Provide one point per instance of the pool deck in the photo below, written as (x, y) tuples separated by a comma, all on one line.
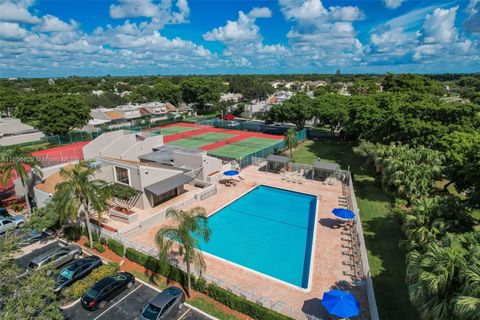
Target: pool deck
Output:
[(326, 271)]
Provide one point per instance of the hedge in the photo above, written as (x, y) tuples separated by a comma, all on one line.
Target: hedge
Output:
[(116, 247), (242, 305), (78, 288), (223, 296)]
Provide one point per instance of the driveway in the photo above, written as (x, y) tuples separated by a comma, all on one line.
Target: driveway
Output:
[(128, 305)]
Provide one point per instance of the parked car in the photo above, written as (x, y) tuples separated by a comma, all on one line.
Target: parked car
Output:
[(56, 257), (106, 289), (4, 212), (32, 236), (75, 271), (164, 304), (7, 224)]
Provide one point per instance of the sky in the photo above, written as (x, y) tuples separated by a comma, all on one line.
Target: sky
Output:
[(58, 38)]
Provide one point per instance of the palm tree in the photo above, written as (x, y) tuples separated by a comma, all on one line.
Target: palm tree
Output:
[(18, 161), (189, 227), (291, 139), (79, 193)]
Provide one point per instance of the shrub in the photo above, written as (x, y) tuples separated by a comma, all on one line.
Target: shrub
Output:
[(200, 285), (116, 247), (242, 305), (103, 241), (73, 233), (99, 247), (79, 287)]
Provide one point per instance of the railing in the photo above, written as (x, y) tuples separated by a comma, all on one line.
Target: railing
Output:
[(372, 304), (207, 192)]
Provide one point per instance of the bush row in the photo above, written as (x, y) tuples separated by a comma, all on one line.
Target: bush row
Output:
[(116, 247), (96, 245), (78, 288), (223, 296)]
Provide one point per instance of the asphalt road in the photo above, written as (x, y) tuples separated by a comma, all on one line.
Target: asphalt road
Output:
[(128, 305)]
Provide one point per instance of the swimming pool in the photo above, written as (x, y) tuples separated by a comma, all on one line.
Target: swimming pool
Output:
[(268, 230)]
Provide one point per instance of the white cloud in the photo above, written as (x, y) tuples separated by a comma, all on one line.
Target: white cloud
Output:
[(12, 31), (243, 29), (164, 10), (393, 4), (472, 23), (53, 24), (17, 11), (439, 27)]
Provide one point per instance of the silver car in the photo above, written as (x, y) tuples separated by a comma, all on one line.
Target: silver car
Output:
[(56, 258), (11, 223)]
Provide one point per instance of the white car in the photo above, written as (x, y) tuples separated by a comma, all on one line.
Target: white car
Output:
[(12, 223)]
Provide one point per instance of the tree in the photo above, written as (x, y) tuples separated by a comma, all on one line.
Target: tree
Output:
[(298, 110), (291, 139), (189, 227), (168, 92), (363, 87), (412, 83), (45, 218), (201, 92), (250, 88), (27, 297), (468, 176), (62, 114), (331, 110), (80, 194), (20, 162)]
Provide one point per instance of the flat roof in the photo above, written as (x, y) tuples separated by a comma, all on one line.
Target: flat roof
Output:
[(278, 159), (168, 184), (164, 154), (326, 165)]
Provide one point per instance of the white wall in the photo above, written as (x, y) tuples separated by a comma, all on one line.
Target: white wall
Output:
[(142, 147), (41, 197), (118, 146), (93, 148)]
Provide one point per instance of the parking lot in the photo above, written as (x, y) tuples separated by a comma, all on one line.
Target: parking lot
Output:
[(23, 261), (128, 305)]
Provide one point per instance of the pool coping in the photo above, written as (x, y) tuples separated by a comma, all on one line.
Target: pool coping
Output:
[(312, 253)]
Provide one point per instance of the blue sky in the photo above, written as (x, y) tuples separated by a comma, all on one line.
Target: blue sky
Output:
[(140, 37)]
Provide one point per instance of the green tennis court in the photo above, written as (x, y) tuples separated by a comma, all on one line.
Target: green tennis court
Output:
[(243, 148), (173, 130), (201, 139)]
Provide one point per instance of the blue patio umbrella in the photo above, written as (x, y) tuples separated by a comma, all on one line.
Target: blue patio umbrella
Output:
[(343, 213), (341, 304), (231, 173)]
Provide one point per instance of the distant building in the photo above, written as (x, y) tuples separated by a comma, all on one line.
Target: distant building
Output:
[(13, 131), (235, 97)]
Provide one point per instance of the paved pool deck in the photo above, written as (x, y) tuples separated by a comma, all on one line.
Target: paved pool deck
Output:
[(326, 272)]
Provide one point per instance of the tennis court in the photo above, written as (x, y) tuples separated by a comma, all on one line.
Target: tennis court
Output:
[(243, 148), (201, 139), (173, 130)]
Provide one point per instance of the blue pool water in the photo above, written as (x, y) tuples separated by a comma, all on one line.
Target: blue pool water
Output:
[(268, 230)]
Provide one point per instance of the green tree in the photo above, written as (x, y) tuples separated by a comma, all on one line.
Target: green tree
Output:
[(331, 110), (45, 218), (298, 110), (17, 162), (62, 114), (203, 92), (291, 139), (412, 83), (27, 297), (167, 91), (364, 87), (188, 227), (80, 194)]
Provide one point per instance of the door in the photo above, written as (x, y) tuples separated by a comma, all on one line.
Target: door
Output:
[(167, 309), (60, 258), (7, 225), (81, 272)]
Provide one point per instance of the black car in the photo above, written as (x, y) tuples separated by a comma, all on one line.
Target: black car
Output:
[(106, 289), (164, 304), (76, 270), (32, 236)]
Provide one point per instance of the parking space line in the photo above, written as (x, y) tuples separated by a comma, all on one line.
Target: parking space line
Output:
[(183, 315), (101, 314)]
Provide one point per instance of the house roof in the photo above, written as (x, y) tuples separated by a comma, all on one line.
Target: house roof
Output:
[(145, 111), (170, 107), (48, 185), (168, 184), (114, 115)]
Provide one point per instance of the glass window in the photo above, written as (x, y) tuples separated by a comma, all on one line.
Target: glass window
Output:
[(164, 197), (121, 175)]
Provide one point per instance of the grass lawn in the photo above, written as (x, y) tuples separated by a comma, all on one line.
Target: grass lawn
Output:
[(382, 232)]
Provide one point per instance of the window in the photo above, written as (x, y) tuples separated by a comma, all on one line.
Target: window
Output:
[(121, 175)]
